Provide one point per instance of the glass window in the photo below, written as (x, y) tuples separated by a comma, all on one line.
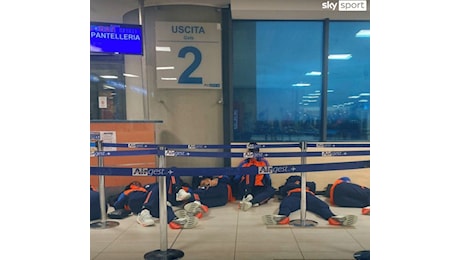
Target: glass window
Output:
[(275, 97), (348, 98), (107, 91), (278, 81)]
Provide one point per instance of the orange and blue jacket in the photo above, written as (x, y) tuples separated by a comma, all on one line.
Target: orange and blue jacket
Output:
[(254, 180)]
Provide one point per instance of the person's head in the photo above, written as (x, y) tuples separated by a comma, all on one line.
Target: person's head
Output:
[(133, 185), (345, 179), (206, 182), (253, 147)]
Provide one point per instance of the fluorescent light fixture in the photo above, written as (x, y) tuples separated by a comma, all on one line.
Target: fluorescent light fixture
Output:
[(169, 79), (108, 87), (301, 85), (330, 90), (353, 97), (313, 73), (130, 75), (109, 77), (339, 56), (165, 49), (363, 100), (363, 34), (165, 68), (365, 94)]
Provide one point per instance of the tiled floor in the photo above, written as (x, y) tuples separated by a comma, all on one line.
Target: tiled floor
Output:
[(226, 233)]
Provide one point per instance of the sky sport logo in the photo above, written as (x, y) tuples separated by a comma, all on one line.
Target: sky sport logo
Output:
[(345, 5)]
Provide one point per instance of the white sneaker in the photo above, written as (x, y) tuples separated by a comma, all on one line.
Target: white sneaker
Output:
[(182, 195), (247, 198), (193, 207), (347, 220), (145, 219), (185, 222), (245, 205)]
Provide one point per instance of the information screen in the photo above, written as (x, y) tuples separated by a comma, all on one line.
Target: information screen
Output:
[(116, 38)]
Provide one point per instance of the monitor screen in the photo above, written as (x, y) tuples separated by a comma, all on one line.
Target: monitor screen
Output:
[(116, 38)]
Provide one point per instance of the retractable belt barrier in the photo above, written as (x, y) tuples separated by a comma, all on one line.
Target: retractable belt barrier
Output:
[(170, 150)]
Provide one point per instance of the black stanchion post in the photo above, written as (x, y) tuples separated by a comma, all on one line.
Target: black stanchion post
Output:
[(303, 222), (103, 223), (163, 253)]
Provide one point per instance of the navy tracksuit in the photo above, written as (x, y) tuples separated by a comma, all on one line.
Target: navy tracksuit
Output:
[(135, 199), (291, 202), (347, 194), (214, 196), (259, 185)]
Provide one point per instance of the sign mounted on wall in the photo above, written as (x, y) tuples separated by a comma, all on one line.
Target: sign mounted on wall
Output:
[(188, 55)]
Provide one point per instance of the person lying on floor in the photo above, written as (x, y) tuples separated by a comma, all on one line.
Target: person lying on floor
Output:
[(253, 190), (344, 193), (291, 192), (144, 202), (95, 204), (206, 192)]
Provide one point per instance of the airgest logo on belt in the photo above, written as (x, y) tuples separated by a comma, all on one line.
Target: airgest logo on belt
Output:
[(148, 172), (273, 169)]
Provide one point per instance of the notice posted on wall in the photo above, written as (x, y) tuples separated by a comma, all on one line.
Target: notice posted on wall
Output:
[(109, 137), (106, 137)]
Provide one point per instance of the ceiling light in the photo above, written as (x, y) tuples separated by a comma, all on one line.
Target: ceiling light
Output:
[(168, 78), (109, 77), (313, 73), (130, 75), (339, 56), (363, 34), (166, 49), (301, 85), (108, 87), (165, 68)]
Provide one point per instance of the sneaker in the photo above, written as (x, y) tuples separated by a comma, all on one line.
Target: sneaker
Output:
[(245, 205), (181, 213), (183, 223), (366, 210), (182, 195), (248, 197), (145, 219), (276, 219), (347, 220), (195, 207)]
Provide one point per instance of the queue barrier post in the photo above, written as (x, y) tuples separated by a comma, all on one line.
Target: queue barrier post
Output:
[(303, 222), (103, 223), (163, 253)]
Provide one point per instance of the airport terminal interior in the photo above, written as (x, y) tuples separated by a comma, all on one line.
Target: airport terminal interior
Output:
[(230, 72)]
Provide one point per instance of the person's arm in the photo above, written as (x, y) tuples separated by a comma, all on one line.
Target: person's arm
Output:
[(121, 201)]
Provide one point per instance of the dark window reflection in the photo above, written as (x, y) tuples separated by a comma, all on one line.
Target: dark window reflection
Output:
[(107, 88), (277, 81)]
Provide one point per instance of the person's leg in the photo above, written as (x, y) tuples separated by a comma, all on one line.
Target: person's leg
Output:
[(95, 205), (288, 205), (262, 195), (322, 209)]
